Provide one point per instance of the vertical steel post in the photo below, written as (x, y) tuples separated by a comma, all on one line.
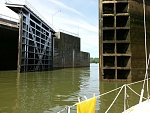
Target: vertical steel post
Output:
[(19, 43)]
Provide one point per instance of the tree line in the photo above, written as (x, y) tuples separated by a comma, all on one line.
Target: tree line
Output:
[(94, 60)]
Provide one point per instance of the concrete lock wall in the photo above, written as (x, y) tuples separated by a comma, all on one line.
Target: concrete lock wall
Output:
[(67, 52), (29, 45), (121, 35), (137, 37)]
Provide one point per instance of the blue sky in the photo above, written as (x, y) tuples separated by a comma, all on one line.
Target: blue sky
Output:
[(76, 16)]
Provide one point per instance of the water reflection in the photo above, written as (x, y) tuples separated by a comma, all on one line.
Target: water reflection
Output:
[(51, 91), (7, 91), (106, 100)]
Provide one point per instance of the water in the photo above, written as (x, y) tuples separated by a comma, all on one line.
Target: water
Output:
[(51, 91)]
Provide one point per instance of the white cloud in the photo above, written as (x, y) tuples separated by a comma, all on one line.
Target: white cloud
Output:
[(87, 32), (56, 2), (67, 21), (75, 24)]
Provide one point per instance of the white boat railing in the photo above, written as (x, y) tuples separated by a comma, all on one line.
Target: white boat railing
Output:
[(125, 87), (146, 56)]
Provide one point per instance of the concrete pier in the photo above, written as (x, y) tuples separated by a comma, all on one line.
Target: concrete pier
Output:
[(67, 53), (121, 39)]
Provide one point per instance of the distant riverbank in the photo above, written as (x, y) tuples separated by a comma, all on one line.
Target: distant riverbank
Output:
[(94, 60)]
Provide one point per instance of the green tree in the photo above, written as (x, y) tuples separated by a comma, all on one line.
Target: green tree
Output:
[(94, 60)]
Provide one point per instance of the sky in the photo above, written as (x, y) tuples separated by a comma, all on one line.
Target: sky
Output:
[(79, 17)]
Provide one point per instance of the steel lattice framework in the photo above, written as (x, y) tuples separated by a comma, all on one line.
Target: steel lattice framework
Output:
[(35, 47)]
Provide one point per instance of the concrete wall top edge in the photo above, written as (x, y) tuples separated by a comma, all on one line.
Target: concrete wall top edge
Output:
[(69, 35), (84, 52)]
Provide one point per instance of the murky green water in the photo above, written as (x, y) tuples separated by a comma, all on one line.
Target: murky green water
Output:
[(51, 91)]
